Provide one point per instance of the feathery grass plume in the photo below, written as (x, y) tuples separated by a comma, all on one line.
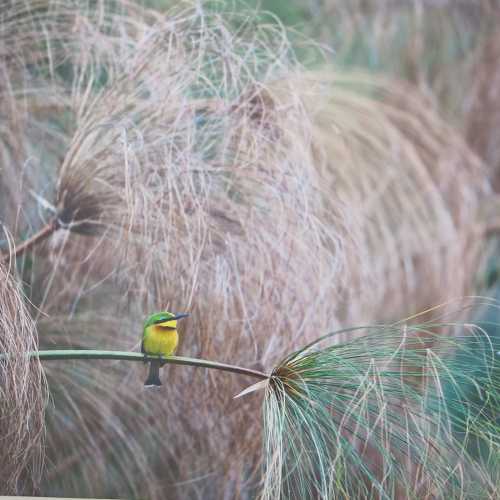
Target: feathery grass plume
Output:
[(26, 101), (412, 186), (47, 48), (422, 41), (377, 416), (482, 104), (161, 150), (22, 394), (166, 157)]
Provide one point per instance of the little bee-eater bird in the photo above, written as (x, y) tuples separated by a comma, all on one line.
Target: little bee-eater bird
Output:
[(160, 338)]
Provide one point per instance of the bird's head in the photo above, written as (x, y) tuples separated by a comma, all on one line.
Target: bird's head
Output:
[(165, 319)]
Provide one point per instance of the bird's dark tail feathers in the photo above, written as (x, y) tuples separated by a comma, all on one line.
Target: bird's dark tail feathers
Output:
[(153, 379)]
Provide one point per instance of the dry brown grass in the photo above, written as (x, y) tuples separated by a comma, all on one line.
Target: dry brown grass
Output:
[(22, 394), (414, 186), (39, 42), (17, 127), (482, 105), (204, 171), (425, 42)]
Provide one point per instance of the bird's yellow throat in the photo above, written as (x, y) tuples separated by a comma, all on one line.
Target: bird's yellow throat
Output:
[(161, 338)]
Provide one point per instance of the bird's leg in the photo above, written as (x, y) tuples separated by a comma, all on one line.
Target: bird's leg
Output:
[(162, 360)]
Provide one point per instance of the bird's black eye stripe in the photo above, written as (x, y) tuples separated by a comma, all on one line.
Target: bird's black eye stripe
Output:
[(163, 319)]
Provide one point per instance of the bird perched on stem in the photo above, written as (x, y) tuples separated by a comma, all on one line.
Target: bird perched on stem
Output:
[(160, 338)]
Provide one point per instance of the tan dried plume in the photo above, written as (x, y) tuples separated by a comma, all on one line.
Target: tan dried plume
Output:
[(22, 394), (482, 104)]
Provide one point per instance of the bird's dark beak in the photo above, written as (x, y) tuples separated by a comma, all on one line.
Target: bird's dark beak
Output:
[(179, 316)]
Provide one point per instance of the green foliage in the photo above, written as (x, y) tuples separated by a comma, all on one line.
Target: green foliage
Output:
[(376, 416)]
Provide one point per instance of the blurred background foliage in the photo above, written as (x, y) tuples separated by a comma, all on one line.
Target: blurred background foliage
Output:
[(277, 168)]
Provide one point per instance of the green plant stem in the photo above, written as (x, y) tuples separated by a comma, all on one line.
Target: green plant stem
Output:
[(67, 354)]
